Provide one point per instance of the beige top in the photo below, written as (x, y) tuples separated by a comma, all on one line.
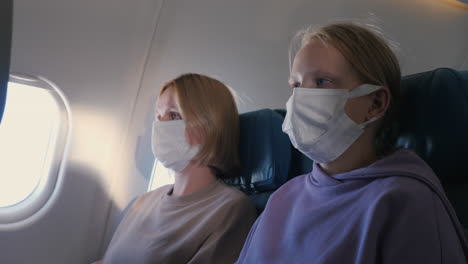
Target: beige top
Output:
[(207, 226)]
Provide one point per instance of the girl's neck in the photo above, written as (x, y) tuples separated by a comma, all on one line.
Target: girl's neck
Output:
[(360, 154), (191, 179)]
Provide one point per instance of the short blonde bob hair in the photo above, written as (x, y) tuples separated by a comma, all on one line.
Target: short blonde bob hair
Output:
[(209, 105), (373, 61)]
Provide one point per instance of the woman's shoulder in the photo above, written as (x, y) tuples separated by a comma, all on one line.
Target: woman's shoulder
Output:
[(231, 193), (233, 199), (151, 196)]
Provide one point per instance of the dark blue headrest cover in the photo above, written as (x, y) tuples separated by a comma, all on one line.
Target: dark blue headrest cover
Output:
[(265, 152), (6, 10), (434, 121), (3, 89)]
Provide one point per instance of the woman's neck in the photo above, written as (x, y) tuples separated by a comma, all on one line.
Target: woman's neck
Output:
[(191, 179)]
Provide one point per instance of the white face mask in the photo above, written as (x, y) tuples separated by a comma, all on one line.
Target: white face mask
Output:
[(170, 146), (317, 124)]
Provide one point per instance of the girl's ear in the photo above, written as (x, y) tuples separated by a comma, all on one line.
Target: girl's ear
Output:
[(380, 103)]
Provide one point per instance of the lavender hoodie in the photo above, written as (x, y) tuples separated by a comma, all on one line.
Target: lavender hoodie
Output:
[(394, 211)]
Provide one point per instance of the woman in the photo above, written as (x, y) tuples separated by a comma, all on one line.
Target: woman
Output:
[(364, 201), (198, 219)]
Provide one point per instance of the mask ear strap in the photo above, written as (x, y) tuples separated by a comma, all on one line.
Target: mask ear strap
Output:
[(363, 89), (363, 125)]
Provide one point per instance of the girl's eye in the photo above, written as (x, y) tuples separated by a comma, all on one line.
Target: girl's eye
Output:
[(175, 116), (321, 82)]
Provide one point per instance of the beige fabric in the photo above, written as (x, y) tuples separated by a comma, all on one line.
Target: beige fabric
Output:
[(207, 226)]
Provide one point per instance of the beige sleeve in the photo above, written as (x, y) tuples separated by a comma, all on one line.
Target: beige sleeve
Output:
[(232, 227)]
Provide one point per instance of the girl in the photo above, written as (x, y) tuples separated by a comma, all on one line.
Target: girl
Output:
[(198, 219), (364, 201)]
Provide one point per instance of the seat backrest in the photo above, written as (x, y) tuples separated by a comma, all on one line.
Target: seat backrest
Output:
[(6, 10), (265, 153), (434, 123)]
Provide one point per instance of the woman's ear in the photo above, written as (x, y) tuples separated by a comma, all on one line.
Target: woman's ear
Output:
[(380, 103)]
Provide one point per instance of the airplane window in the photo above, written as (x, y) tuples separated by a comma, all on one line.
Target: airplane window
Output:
[(33, 137), (27, 137), (161, 176)]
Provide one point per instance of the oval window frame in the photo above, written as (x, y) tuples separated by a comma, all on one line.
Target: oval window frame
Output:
[(40, 200)]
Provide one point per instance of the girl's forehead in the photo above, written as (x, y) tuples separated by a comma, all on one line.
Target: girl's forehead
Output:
[(167, 101), (319, 58)]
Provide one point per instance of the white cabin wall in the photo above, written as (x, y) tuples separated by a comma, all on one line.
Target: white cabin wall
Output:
[(430, 33), (95, 51), (245, 43), (104, 57)]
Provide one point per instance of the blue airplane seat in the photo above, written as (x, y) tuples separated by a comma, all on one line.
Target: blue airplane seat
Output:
[(265, 153), (6, 11), (434, 123), (3, 91)]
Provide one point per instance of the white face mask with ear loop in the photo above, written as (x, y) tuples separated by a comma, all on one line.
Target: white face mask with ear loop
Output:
[(317, 123), (170, 146)]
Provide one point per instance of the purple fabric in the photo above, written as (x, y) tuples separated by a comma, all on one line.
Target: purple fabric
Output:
[(394, 211)]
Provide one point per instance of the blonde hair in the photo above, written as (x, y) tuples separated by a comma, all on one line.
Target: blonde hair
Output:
[(371, 58), (209, 105)]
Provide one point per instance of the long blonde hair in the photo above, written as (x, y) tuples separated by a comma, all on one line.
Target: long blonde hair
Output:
[(209, 105)]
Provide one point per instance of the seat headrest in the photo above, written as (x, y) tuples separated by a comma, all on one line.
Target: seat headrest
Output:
[(6, 12), (3, 89), (434, 121), (265, 152)]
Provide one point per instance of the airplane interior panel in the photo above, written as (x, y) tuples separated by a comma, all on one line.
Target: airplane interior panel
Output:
[(108, 60)]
